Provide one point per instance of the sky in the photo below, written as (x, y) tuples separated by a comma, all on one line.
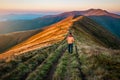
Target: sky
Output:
[(58, 5)]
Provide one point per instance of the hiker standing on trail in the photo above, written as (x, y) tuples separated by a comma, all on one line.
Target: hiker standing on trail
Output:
[(70, 40)]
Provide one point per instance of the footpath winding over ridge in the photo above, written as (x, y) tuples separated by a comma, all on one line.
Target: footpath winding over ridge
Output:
[(55, 63)]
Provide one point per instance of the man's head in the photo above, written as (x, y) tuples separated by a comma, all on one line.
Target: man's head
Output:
[(70, 34)]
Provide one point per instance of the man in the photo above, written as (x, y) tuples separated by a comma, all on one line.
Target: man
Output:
[(70, 40)]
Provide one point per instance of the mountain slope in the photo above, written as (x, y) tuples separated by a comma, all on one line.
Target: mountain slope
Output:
[(98, 33), (96, 62), (91, 58), (57, 32), (11, 39), (48, 36), (110, 23)]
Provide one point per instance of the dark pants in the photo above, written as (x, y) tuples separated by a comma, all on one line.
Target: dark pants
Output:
[(70, 48)]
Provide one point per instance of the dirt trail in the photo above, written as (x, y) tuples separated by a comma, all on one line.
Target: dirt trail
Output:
[(27, 74), (80, 70), (53, 68)]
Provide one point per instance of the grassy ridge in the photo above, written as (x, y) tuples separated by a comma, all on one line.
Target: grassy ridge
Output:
[(68, 68), (43, 69), (61, 68), (29, 64), (97, 63), (97, 33), (90, 59), (101, 66), (25, 68), (9, 66)]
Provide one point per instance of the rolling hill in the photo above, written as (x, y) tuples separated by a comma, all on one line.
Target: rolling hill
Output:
[(23, 25), (11, 39), (51, 34), (110, 23), (44, 56)]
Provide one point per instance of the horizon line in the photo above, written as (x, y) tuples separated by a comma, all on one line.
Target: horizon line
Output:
[(45, 11)]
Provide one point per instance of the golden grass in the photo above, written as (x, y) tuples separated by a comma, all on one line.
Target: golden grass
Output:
[(50, 35)]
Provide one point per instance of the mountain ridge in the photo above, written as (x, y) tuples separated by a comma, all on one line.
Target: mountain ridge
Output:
[(49, 34), (91, 12), (57, 32)]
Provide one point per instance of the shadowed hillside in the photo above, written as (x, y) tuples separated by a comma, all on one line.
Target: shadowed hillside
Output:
[(11, 39), (98, 33), (110, 23), (44, 56)]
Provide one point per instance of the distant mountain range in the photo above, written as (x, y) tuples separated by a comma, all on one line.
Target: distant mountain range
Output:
[(108, 20), (8, 17), (91, 12), (23, 16)]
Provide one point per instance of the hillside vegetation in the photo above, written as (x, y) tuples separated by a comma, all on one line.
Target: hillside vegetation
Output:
[(110, 23), (48, 36), (92, 59), (9, 40)]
